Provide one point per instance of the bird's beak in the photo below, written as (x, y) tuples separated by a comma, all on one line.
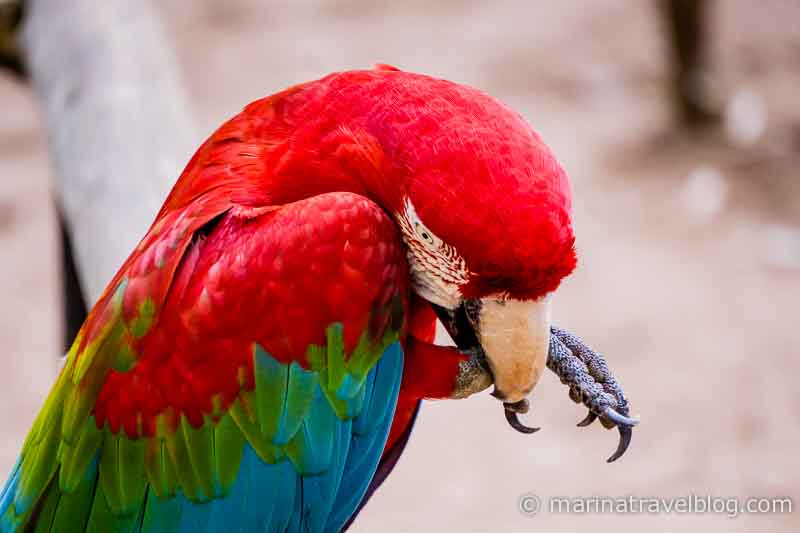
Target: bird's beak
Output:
[(513, 335)]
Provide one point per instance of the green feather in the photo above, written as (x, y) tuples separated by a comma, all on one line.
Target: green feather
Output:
[(336, 362), (179, 457), (132, 477), (75, 459), (37, 470), (109, 473), (81, 396), (271, 379), (265, 450), (47, 509), (140, 325), (317, 358), (296, 452), (228, 448), (103, 520), (199, 444), (363, 359), (299, 393), (113, 327), (74, 506), (158, 467)]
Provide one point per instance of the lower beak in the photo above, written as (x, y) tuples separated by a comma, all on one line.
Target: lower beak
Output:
[(513, 335)]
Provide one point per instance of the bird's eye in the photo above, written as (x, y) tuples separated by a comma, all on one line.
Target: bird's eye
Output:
[(425, 234)]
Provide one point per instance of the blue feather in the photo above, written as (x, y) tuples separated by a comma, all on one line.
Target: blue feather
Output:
[(272, 492), (319, 492), (362, 423), (366, 450)]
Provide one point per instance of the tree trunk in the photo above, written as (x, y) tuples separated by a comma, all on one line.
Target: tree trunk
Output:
[(117, 122)]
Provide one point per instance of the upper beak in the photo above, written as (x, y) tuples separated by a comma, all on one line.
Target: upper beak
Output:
[(514, 336)]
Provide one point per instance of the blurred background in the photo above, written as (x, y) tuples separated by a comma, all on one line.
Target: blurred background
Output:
[(679, 124)]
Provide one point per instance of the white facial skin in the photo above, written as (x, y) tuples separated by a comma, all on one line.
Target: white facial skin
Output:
[(437, 269), (514, 334)]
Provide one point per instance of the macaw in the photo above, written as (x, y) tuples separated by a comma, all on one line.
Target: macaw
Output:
[(258, 361)]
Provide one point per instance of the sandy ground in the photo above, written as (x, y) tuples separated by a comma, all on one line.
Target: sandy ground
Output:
[(689, 277)]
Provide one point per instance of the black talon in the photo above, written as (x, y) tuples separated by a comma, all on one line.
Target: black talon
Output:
[(625, 433), (625, 426), (513, 421), (521, 407), (591, 417), (618, 419)]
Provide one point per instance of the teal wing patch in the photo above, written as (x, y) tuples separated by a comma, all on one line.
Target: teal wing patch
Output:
[(295, 454)]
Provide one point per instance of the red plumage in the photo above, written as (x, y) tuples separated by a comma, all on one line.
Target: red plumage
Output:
[(383, 134), (216, 307)]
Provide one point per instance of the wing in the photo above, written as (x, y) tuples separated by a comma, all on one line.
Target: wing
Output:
[(240, 374)]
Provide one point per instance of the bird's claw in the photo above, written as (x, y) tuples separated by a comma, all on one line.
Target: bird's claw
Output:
[(619, 419), (591, 383), (590, 417), (511, 411), (624, 425), (625, 434)]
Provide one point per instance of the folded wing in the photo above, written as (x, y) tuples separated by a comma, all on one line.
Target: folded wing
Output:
[(239, 374)]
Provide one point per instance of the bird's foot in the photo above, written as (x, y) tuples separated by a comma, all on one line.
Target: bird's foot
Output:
[(591, 383)]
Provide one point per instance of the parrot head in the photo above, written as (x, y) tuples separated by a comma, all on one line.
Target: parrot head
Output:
[(484, 210)]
